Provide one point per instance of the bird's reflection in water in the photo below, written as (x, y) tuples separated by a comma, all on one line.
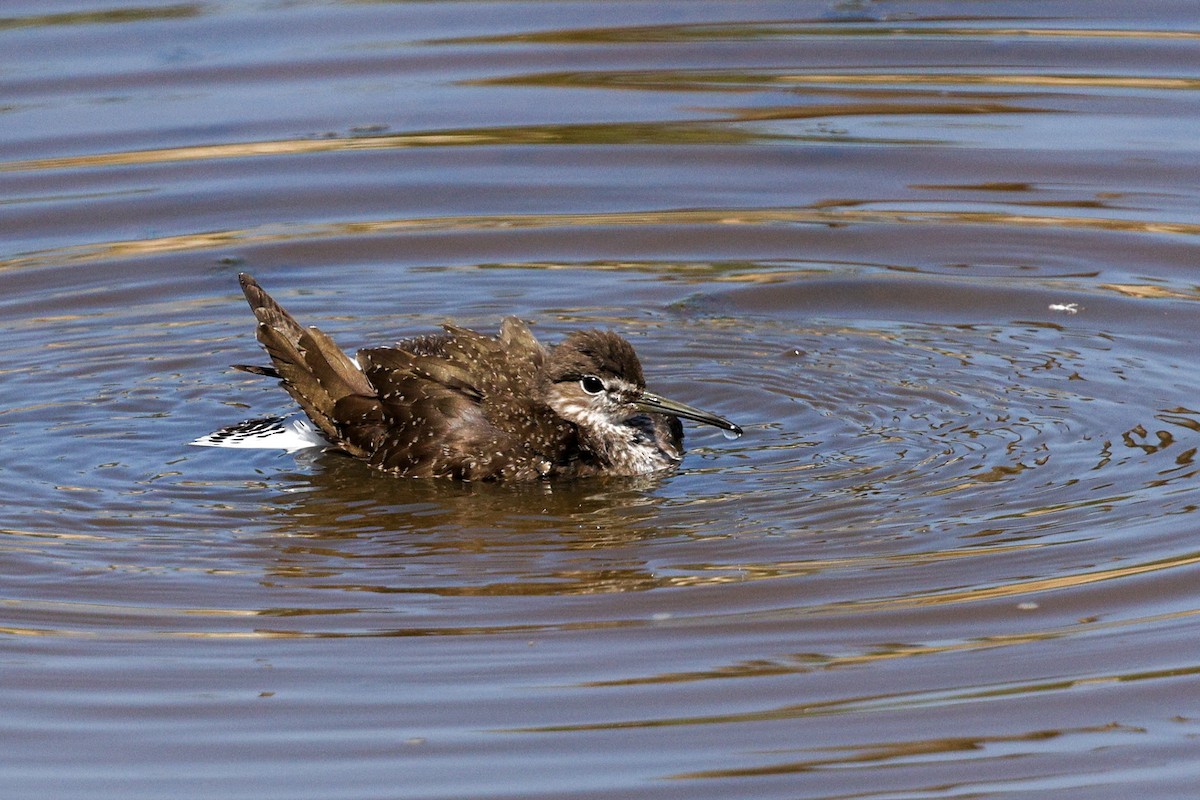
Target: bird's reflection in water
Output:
[(343, 525)]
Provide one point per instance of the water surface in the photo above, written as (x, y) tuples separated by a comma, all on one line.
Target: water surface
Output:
[(938, 260)]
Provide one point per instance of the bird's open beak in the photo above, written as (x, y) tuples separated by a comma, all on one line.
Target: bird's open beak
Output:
[(661, 405)]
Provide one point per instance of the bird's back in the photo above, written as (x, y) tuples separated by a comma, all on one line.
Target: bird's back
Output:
[(461, 404)]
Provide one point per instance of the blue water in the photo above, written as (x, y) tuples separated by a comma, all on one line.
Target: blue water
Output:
[(937, 259)]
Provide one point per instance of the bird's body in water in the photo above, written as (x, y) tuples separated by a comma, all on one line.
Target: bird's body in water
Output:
[(468, 406)]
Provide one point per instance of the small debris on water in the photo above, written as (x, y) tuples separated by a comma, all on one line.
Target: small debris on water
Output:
[(1066, 308)]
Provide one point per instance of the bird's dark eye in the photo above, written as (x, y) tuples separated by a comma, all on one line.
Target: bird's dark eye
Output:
[(591, 384)]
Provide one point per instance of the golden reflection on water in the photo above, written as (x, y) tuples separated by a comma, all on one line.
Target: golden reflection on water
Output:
[(111, 16), (893, 754), (877, 702), (791, 30), (598, 133), (1149, 291), (825, 214), (809, 662), (991, 79), (888, 701), (708, 80), (1019, 588), (122, 620)]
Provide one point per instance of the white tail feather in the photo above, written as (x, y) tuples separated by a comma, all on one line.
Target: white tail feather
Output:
[(266, 433)]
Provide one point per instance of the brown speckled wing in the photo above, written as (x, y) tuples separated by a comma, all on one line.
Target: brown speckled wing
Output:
[(426, 409), (464, 405)]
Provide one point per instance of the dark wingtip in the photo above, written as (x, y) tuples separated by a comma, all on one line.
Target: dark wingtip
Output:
[(253, 369), (254, 293)]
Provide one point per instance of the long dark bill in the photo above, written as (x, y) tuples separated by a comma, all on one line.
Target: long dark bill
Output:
[(661, 405)]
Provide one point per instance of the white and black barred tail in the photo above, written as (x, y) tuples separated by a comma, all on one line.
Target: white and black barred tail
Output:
[(266, 433)]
